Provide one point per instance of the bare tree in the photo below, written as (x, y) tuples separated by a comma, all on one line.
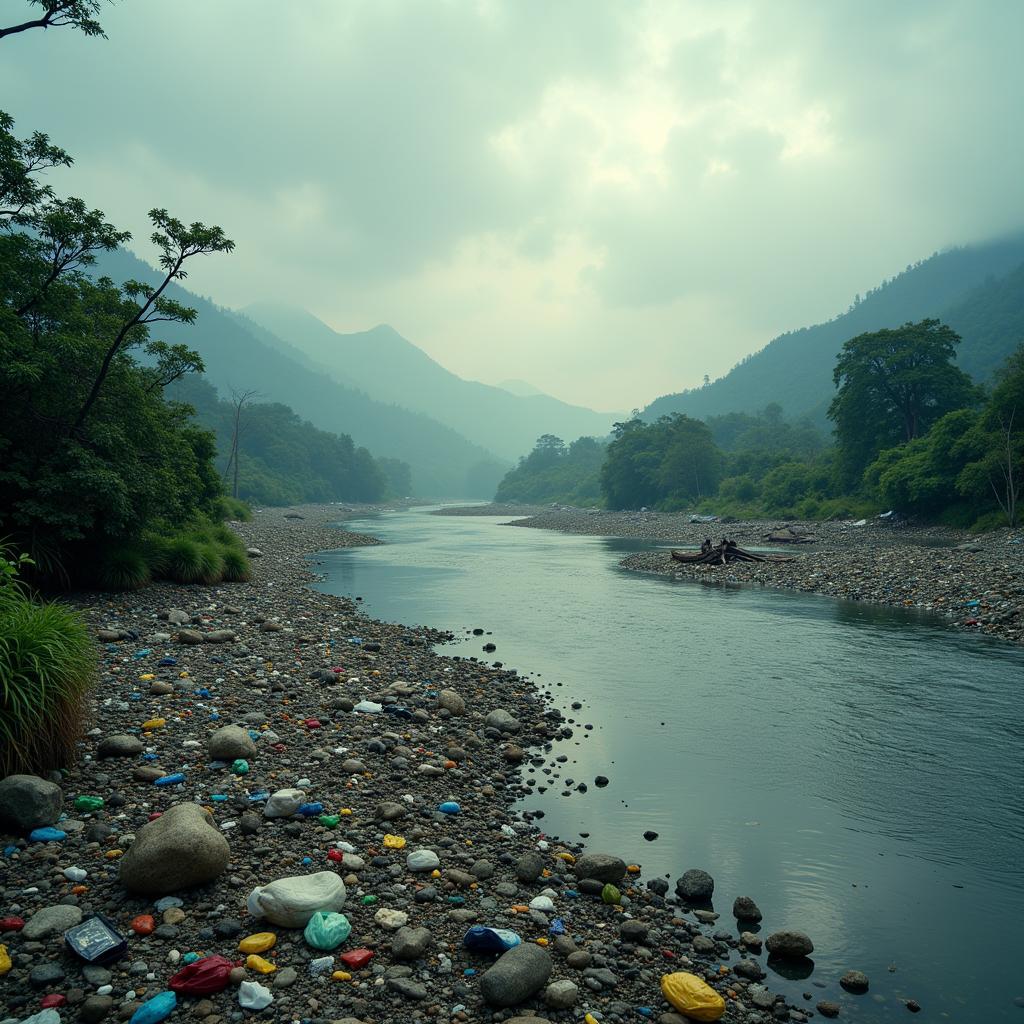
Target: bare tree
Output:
[(238, 400), (1006, 486), (79, 13)]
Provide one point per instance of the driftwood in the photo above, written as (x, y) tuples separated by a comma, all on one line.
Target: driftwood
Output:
[(787, 535), (723, 553)]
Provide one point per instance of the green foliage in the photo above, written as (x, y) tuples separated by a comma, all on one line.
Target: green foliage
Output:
[(91, 453), (667, 463), (123, 567), (234, 509), (397, 477), (47, 665), (236, 566), (553, 472), (80, 14), (892, 386), (285, 460)]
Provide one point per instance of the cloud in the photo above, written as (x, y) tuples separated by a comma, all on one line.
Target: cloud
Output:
[(608, 200)]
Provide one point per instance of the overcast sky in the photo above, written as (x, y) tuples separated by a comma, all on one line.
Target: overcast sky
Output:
[(608, 200)]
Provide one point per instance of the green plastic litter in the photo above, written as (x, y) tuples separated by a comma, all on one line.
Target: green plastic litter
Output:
[(609, 894), (367, 900), (240, 767), (327, 930), (329, 820), (88, 803)]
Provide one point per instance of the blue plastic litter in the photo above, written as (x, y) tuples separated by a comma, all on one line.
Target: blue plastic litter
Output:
[(214, 716), (255, 798), (449, 807), (154, 1010), (571, 894), (135, 696), (144, 653), (308, 810), (202, 693), (557, 926), (355, 639), (170, 780), (190, 958), (306, 861), (219, 798), (46, 835), (254, 734), (149, 757), (645, 1011), (481, 939), (167, 662), (398, 712), (10, 851), (457, 900)]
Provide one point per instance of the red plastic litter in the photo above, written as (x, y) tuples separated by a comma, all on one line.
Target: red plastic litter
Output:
[(52, 1000), (335, 855), (357, 958), (143, 925), (279, 747), (668, 954), (312, 723), (155, 815), (203, 977), (11, 924)]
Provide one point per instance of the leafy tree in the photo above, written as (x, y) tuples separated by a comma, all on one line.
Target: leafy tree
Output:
[(80, 14), (397, 475), (553, 472), (892, 386)]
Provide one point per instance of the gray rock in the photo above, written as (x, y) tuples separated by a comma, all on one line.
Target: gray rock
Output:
[(230, 743), (855, 981), (633, 931), (518, 974), (410, 943), (695, 886), (451, 702), (95, 1008), (482, 869), (749, 969), (408, 988), (285, 977), (190, 636), (745, 909), (602, 866), (177, 617), (560, 995), (502, 721), (529, 867), (28, 802), (46, 975), (180, 849), (827, 1008), (221, 636), (388, 810), (790, 944), (579, 960), (51, 921), (761, 997)]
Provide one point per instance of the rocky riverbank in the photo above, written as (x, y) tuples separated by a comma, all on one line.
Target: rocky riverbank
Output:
[(326, 745), (976, 582)]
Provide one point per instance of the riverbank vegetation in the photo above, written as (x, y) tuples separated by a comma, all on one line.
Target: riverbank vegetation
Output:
[(912, 432)]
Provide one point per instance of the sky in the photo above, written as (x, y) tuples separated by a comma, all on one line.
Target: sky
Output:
[(606, 199)]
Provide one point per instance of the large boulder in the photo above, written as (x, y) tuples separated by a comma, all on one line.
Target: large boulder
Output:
[(28, 802), (603, 866), (695, 886), (789, 944), (290, 902), (179, 850), (518, 974), (451, 702), (231, 743), (503, 721)]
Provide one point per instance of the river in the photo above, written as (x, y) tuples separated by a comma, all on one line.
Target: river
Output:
[(857, 770)]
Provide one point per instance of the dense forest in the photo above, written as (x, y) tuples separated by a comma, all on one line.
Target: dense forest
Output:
[(911, 432)]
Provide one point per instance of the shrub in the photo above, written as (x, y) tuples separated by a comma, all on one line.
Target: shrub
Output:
[(47, 664), (232, 508), (185, 562), (212, 562), (124, 567), (236, 566)]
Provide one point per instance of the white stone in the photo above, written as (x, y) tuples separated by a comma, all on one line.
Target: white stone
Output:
[(422, 860), (542, 903), (284, 803), (253, 996), (391, 919)]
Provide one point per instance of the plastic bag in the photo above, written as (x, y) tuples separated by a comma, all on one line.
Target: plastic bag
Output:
[(480, 939), (692, 996), (291, 902), (154, 1010), (203, 977), (327, 930)]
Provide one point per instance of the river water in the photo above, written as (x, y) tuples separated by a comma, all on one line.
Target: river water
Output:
[(857, 770)]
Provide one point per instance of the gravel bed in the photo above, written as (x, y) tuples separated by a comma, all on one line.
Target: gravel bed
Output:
[(288, 665)]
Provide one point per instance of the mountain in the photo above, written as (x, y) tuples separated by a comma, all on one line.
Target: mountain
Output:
[(392, 369), (522, 388), (977, 290), (241, 355)]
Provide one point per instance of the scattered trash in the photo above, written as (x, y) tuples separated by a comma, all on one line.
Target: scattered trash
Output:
[(203, 977), (326, 930), (481, 939), (96, 941)]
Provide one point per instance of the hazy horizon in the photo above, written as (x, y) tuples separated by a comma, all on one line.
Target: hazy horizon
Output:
[(608, 202)]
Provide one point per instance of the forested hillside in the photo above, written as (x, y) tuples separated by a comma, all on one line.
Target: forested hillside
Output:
[(392, 369), (974, 289), (443, 463)]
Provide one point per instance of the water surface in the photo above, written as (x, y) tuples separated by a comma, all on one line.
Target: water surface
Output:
[(858, 770)]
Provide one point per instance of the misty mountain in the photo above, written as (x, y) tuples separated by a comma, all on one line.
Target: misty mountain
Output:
[(239, 355), (523, 388), (977, 290), (392, 369)]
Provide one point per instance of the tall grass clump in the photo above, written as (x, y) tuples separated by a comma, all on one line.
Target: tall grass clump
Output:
[(232, 508), (125, 567), (47, 666), (184, 560)]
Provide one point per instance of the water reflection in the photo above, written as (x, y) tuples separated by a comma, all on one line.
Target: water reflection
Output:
[(854, 768)]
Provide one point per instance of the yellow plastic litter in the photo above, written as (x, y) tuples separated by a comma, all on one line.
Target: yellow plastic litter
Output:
[(590, 1019), (435, 873), (257, 963), (394, 842), (346, 811), (154, 723), (633, 869), (113, 854), (541, 941), (692, 996), (567, 857), (5, 961), (146, 677), (341, 976), (259, 942)]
